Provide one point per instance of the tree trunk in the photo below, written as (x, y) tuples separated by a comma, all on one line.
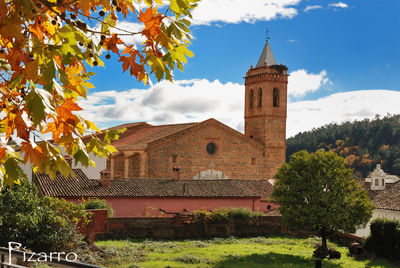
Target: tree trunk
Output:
[(324, 246)]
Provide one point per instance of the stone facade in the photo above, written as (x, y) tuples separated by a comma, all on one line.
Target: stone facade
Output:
[(186, 150)]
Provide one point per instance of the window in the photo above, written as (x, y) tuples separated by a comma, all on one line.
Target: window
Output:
[(251, 98), (174, 158), (253, 161), (275, 96), (383, 182), (259, 97), (376, 182), (211, 148)]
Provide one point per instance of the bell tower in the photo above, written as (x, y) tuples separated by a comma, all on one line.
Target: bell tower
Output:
[(265, 108)]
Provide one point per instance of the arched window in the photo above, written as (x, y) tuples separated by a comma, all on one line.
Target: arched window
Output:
[(275, 96), (259, 97), (251, 98)]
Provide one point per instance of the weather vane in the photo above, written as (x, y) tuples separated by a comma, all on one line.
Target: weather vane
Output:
[(267, 34)]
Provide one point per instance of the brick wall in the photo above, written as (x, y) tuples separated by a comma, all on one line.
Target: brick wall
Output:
[(134, 166), (267, 123), (98, 224), (233, 155), (119, 167)]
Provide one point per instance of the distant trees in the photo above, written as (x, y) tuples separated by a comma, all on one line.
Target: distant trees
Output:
[(317, 191), (362, 143)]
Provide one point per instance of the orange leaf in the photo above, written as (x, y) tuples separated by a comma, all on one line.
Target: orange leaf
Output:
[(130, 62), (3, 10), (112, 42), (152, 21), (2, 153), (34, 154), (32, 70)]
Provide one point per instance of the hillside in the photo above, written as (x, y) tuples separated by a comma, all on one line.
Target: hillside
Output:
[(363, 143)]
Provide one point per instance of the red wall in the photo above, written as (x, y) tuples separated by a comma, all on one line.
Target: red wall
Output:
[(149, 207)]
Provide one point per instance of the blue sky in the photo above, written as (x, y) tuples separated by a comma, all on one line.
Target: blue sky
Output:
[(343, 57)]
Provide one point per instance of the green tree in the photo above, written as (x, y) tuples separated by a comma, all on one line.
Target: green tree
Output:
[(317, 191), (39, 223)]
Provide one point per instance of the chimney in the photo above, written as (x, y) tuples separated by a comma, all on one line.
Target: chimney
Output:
[(105, 177)]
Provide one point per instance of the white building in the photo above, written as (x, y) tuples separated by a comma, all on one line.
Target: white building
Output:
[(384, 192)]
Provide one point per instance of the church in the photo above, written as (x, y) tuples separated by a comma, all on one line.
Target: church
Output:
[(187, 151), (180, 168)]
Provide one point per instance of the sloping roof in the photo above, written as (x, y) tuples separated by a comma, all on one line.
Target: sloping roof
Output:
[(389, 198), (266, 56), (138, 135), (84, 187)]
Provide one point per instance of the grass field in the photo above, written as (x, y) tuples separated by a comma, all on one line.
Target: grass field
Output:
[(229, 252)]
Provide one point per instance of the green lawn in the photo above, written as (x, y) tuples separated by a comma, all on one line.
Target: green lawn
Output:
[(218, 252)]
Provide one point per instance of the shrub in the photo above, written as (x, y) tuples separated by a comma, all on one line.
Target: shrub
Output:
[(384, 239), (40, 224), (222, 215), (96, 203)]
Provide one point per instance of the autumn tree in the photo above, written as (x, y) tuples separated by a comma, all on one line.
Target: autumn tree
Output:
[(317, 191), (362, 143), (45, 49)]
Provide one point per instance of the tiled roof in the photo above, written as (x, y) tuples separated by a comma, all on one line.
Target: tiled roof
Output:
[(388, 198), (84, 187), (138, 135)]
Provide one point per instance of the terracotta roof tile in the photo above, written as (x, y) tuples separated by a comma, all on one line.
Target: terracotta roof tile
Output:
[(84, 187), (383, 199), (388, 198), (138, 135)]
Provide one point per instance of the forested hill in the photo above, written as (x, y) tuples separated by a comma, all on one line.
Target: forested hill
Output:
[(363, 143)]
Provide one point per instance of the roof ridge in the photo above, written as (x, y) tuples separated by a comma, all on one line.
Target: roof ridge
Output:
[(166, 135)]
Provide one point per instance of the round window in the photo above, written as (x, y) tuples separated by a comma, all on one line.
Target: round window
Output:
[(211, 148)]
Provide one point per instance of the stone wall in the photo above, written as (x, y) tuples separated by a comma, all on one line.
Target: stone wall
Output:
[(179, 228)]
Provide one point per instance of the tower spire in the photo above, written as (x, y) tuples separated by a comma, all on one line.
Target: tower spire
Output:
[(267, 57)]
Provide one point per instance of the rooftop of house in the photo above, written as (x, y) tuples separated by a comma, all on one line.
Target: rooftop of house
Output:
[(138, 135), (387, 195), (83, 187)]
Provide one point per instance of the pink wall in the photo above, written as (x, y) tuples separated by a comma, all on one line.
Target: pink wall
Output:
[(149, 207)]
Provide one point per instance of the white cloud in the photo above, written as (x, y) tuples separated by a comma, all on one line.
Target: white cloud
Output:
[(338, 5), (341, 107), (237, 11), (184, 101), (197, 100), (308, 8), (301, 82), (124, 27)]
